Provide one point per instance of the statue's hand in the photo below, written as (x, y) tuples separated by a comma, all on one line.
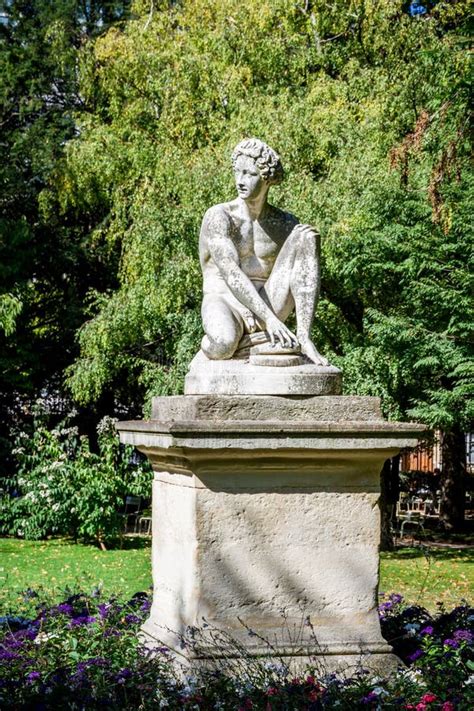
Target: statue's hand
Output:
[(302, 229), (277, 331), (309, 349)]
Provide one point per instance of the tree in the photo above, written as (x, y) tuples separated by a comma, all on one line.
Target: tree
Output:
[(46, 264)]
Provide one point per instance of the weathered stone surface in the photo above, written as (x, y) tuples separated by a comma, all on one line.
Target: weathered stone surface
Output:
[(220, 408), (241, 377), (226, 555), (263, 505)]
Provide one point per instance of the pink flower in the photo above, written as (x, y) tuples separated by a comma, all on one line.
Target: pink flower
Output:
[(448, 706), (420, 707), (429, 698), (272, 691)]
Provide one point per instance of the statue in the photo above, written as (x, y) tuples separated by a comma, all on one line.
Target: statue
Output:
[(258, 264)]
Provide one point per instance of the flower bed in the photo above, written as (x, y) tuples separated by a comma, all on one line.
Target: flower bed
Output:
[(83, 653)]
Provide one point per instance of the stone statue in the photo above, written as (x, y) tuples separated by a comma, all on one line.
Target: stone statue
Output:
[(258, 264)]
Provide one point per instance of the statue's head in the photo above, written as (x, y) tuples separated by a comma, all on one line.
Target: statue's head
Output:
[(266, 159)]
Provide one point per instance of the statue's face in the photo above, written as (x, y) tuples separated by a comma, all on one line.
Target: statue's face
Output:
[(248, 180)]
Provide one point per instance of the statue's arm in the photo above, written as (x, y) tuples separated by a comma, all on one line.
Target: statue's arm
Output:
[(225, 256)]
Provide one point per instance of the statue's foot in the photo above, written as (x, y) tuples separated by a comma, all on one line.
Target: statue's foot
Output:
[(309, 349)]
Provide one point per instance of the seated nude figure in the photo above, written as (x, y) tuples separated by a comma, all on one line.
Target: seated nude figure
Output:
[(258, 263)]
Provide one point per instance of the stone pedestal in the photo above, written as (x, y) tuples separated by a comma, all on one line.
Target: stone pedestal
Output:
[(265, 518), (261, 375)]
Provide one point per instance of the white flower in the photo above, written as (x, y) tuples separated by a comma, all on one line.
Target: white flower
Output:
[(415, 675), (279, 669), (43, 637)]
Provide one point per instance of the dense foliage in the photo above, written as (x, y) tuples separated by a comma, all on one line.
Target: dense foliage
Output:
[(119, 125), (83, 653), (63, 488), (47, 263)]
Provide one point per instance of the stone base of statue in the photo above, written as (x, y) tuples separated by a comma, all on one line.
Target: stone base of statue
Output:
[(266, 526), (259, 368)]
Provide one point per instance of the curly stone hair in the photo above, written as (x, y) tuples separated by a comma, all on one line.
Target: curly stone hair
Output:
[(266, 159)]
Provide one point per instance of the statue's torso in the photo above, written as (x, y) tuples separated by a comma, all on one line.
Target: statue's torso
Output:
[(257, 242)]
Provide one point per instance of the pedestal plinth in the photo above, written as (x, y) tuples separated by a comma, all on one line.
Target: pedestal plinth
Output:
[(265, 518)]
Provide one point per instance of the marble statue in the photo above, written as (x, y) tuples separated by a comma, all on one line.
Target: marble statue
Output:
[(258, 264)]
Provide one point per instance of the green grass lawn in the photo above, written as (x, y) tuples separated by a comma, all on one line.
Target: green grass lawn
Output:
[(427, 575), (443, 574), (55, 564)]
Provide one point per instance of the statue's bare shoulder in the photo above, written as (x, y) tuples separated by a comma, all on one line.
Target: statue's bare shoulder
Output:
[(218, 232), (216, 222)]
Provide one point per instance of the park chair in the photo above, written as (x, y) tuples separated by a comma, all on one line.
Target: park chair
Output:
[(132, 512), (413, 519)]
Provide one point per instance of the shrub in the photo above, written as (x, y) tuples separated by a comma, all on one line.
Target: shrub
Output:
[(61, 487)]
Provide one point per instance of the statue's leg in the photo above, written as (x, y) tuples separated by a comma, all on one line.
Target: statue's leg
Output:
[(295, 281), (223, 328)]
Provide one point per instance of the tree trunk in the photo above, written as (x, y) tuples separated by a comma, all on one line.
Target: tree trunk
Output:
[(389, 491), (453, 480)]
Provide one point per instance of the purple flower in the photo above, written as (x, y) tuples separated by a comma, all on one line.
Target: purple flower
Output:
[(463, 636), (416, 655), (396, 598), (112, 633), (451, 643), (103, 610), (371, 696), (132, 619), (427, 630), (33, 676), (123, 675), (92, 662), (97, 662), (82, 620), (64, 608)]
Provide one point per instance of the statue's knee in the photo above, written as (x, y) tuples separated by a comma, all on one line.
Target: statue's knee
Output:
[(218, 348)]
